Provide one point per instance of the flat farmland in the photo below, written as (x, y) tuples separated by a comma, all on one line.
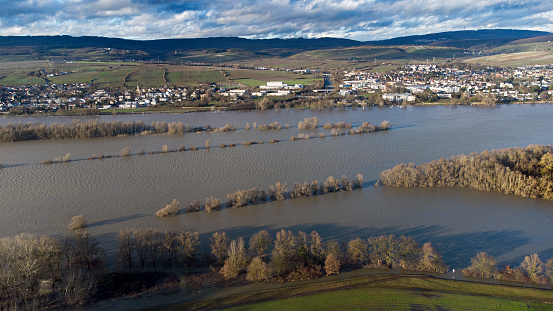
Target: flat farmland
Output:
[(192, 75), (261, 77), (147, 76)]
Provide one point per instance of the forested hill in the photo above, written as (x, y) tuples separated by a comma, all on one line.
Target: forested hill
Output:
[(527, 172), (464, 39), (168, 45)]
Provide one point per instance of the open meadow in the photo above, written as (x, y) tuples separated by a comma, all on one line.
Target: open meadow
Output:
[(386, 292)]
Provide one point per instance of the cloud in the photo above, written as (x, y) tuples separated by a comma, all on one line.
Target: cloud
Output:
[(355, 19)]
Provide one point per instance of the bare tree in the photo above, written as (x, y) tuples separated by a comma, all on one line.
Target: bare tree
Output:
[(482, 265), (88, 253), (127, 245), (332, 264), (219, 245), (237, 259), (260, 242), (533, 267), (357, 251), (189, 243)]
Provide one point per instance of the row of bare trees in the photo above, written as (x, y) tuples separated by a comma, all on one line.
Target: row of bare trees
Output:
[(527, 172), (151, 248), (305, 256), (276, 192), (13, 132), (531, 269)]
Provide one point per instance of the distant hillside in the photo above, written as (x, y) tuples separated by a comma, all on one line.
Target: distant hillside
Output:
[(164, 46), (533, 40), (486, 38), (68, 47)]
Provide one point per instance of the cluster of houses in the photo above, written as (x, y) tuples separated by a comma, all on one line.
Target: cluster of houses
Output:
[(513, 84)]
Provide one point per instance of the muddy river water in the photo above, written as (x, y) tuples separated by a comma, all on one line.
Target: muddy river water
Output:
[(124, 193)]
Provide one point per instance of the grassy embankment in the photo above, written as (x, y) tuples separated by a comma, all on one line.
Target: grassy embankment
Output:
[(397, 292)]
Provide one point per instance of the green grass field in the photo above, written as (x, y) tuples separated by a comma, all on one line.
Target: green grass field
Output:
[(385, 292), (193, 77)]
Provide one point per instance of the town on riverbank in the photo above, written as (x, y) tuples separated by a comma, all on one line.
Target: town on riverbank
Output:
[(458, 83)]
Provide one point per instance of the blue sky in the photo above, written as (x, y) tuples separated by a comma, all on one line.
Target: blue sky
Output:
[(355, 19)]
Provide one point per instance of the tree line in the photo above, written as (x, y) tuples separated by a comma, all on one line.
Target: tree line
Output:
[(276, 192), (45, 272), (38, 273), (13, 132), (526, 172)]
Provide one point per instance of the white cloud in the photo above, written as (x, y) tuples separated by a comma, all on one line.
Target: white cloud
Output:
[(355, 19)]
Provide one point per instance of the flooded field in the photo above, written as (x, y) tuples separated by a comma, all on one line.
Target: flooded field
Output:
[(124, 193)]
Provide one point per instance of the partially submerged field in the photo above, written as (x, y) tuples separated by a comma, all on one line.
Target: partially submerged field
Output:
[(396, 292)]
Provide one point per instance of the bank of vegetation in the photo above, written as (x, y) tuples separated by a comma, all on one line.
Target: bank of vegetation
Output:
[(40, 273), (43, 272), (276, 192), (526, 172), (13, 132)]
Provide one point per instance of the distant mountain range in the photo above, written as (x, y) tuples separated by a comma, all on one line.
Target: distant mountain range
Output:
[(465, 38), (462, 39)]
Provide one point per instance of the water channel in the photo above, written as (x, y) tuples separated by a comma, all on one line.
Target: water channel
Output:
[(124, 193)]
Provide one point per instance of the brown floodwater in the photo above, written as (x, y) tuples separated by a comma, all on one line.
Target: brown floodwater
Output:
[(124, 193)]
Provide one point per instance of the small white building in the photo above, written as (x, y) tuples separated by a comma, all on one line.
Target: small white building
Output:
[(399, 97), (274, 85)]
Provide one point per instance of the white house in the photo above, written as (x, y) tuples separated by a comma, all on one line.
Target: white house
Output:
[(399, 97)]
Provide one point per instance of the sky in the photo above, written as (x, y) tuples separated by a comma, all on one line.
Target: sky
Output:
[(362, 20)]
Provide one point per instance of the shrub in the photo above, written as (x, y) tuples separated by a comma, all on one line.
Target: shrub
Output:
[(194, 206), (305, 273), (45, 162), (169, 210), (309, 123), (125, 152), (164, 149), (211, 204), (77, 222), (358, 181), (194, 148), (258, 270)]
